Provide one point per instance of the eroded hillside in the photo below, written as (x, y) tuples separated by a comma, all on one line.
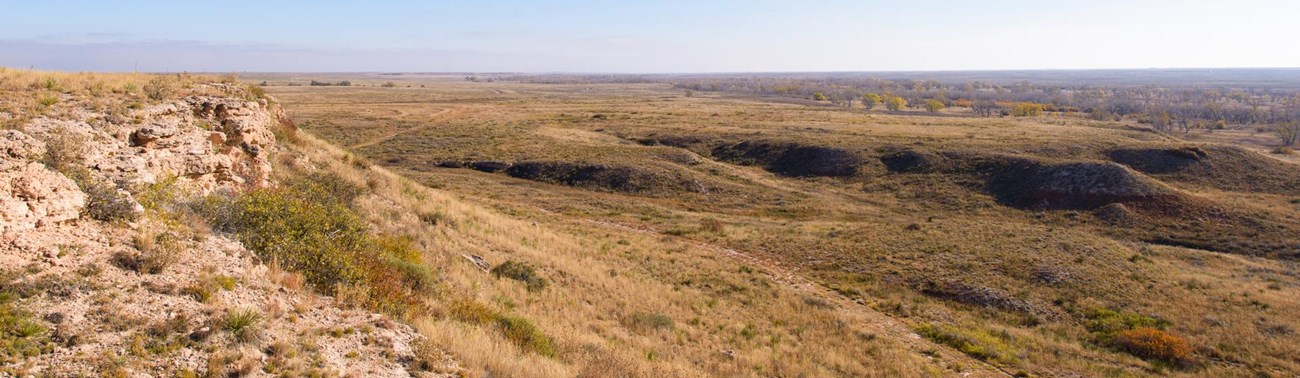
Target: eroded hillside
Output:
[(1047, 246)]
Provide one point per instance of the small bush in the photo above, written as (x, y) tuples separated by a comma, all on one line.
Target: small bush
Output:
[(160, 88), (156, 252), (518, 330), (199, 291), (204, 288), (435, 218), (21, 336), (304, 225), (307, 225), (1154, 344), (256, 93), (105, 202), (65, 152), (520, 272), (243, 324), (1105, 323), (1137, 334), (48, 100), (526, 335)]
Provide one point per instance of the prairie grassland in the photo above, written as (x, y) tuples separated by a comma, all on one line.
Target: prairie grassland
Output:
[(621, 302), (674, 248)]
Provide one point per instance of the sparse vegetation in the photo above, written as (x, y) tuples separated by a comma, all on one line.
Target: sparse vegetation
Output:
[(243, 324), (21, 335), (160, 88), (981, 344), (521, 272)]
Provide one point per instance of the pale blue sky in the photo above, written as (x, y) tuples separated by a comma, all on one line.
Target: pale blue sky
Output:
[(646, 36)]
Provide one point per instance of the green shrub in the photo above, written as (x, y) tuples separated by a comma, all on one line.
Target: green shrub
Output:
[(301, 225), (519, 331), (308, 225), (243, 324), (526, 335), (1105, 323), (520, 272), (978, 343), (105, 202), (21, 336), (1140, 335), (48, 100)]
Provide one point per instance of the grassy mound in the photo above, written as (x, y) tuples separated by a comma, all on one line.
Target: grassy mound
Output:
[(792, 159), (1078, 185), (619, 178), (913, 161), (1221, 167)]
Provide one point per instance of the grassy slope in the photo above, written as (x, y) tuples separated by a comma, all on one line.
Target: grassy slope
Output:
[(1040, 274), (709, 314)]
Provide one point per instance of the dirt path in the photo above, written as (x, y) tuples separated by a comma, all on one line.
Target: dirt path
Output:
[(385, 137), (879, 322)]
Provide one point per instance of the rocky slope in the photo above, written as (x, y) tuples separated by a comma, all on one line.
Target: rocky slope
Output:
[(99, 278)]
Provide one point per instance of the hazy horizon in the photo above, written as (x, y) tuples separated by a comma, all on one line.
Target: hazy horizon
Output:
[(659, 37)]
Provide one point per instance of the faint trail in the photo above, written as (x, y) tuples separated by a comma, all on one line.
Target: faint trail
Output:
[(877, 321), (385, 137)]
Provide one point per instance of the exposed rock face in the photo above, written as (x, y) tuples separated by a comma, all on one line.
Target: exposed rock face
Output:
[(117, 286), (207, 142), (212, 142), (32, 196)]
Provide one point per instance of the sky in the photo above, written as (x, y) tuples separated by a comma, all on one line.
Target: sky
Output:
[(666, 36)]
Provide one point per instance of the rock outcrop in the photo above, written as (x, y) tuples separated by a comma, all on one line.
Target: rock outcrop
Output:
[(151, 295)]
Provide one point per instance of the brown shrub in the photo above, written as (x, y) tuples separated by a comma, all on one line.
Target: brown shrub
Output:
[(1154, 344)]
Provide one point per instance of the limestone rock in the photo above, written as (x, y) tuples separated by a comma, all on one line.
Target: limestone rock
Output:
[(32, 195)]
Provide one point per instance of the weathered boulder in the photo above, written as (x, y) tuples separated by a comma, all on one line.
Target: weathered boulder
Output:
[(32, 195), (16, 148)]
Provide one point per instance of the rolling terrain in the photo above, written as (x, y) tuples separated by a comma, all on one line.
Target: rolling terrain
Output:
[(428, 225), (1019, 245)]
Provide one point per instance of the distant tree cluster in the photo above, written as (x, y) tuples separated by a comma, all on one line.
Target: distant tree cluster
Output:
[(343, 83), (1175, 107), (1167, 101)]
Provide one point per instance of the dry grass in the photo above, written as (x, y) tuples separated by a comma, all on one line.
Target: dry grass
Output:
[(729, 335), (612, 257)]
